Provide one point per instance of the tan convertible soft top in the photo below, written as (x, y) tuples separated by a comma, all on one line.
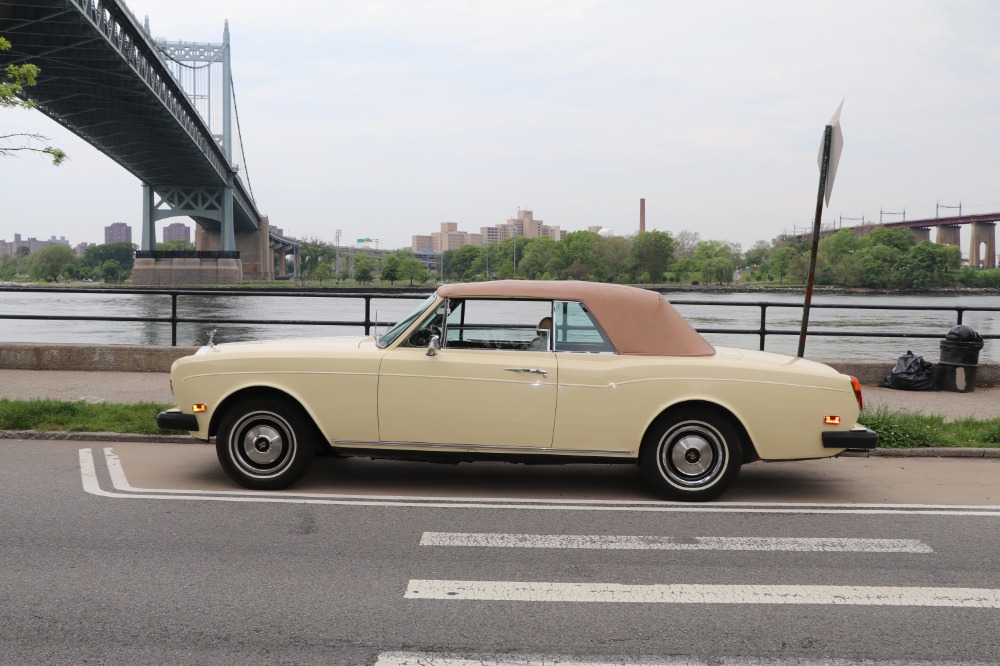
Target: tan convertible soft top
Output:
[(637, 321)]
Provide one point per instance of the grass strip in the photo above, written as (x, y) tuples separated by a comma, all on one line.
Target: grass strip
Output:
[(907, 430), (81, 416)]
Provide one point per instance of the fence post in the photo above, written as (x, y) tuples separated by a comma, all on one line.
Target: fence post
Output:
[(763, 324), (368, 314), (173, 318)]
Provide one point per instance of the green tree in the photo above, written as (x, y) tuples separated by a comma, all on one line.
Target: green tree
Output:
[(48, 263), (176, 245), (313, 252), (841, 244), (459, 264), (412, 269), (537, 255), (322, 272), (900, 239), (364, 268), (928, 263), (878, 264), (653, 252), (111, 269), (122, 253), (19, 77), (8, 267), (615, 253), (779, 262), (758, 253), (717, 270), (390, 268)]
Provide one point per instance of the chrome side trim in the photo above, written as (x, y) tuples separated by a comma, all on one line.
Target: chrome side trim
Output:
[(543, 373), (484, 447)]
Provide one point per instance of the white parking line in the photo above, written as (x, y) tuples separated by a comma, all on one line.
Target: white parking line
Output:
[(834, 595), (613, 542), (123, 490)]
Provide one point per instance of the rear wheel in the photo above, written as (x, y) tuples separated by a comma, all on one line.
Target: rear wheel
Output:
[(264, 444), (691, 455)]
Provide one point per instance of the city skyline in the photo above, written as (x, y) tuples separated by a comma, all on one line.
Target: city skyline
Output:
[(406, 116)]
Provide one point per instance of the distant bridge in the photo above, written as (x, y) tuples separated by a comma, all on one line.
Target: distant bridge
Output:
[(982, 241), (104, 79)]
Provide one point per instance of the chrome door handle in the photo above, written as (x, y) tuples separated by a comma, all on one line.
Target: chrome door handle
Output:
[(543, 373)]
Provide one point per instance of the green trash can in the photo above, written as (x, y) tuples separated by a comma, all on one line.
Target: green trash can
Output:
[(956, 369)]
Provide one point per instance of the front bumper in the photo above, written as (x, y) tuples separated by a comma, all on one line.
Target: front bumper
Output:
[(173, 419), (858, 438)]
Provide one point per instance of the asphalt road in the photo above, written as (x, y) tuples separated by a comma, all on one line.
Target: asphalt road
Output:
[(143, 554)]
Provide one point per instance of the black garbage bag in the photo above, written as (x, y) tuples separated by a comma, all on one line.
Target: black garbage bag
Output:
[(911, 373)]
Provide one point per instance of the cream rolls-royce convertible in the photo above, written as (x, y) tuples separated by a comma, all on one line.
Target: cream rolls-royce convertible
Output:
[(525, 371)]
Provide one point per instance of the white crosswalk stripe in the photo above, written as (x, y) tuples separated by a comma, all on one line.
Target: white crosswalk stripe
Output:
[(612, 542), (480, 590), (493, 659)]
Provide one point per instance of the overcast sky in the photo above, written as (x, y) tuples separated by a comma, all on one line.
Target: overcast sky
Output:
[(384, 119)]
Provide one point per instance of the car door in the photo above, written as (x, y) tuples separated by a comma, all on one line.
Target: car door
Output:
[(487, 388)]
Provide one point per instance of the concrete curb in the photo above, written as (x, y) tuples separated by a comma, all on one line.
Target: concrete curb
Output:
[(62, 435)]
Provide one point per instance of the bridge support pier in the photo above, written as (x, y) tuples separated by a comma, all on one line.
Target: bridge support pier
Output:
[(983, 233), (921, 234), (948, 234)]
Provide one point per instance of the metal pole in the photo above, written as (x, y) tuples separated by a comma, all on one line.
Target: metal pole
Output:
[(827, 136)]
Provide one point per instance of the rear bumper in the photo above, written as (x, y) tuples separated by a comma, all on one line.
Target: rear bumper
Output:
[(859, 438), (173, 419)]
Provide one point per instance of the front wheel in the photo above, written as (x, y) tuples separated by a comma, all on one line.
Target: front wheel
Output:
[(264, 445), (691, 455)]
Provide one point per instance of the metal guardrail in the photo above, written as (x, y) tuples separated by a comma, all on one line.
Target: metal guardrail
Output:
[(762, 331)]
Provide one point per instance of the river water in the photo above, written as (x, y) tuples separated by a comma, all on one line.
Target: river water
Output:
[(724, 311)]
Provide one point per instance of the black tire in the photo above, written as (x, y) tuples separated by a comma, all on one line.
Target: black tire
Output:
[(265, 444), (691, 455)]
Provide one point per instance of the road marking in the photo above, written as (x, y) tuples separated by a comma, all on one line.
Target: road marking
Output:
[(613, 542), (835, 595), (513, 659), (123, 490)]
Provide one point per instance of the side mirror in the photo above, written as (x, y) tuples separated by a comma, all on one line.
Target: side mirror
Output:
[(434, 345)]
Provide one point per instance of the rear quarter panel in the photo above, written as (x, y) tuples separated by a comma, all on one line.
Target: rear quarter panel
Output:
[(608, 402)]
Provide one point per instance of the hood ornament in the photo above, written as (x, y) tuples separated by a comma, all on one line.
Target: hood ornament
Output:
[(211, 337)]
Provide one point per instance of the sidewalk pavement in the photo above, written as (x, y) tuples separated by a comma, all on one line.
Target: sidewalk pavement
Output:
[(129, 387)]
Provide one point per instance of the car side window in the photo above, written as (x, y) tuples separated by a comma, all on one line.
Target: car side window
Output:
[(576, 330), (498, 325)]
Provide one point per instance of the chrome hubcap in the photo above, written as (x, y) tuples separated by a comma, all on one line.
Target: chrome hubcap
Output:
[(262, 444), (692, 456)]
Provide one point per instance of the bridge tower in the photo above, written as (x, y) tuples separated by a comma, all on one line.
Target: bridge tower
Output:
[(215, 204)]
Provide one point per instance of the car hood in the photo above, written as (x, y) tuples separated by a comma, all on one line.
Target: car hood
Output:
[(291, 347)]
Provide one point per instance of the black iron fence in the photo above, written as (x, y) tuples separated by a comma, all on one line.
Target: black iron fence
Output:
[(173, 319)]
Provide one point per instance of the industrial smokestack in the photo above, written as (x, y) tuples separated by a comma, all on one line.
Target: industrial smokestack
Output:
[(642, 215)]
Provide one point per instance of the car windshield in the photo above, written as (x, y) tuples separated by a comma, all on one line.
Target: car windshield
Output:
[(390, 336)]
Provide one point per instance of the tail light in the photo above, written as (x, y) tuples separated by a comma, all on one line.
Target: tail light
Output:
[(856, 385)]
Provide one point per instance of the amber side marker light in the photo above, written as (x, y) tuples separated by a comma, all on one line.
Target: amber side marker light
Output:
[(831, 420), (200, 407), (856, 385)]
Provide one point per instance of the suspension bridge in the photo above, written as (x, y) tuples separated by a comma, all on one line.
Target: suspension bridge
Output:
[(167, 113)]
